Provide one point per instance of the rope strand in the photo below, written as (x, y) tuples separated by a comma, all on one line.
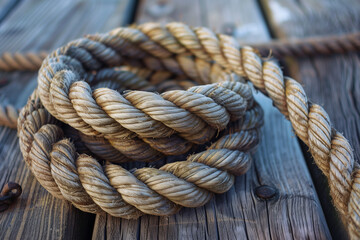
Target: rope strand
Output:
[(28, 61), (128, 119), (310, 47), (306, 47)]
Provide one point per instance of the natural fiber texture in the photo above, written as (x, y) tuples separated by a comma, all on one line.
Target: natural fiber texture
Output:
[(21, 61), (178, 49), (308, 47), (279, 48), (145, 126), (81, 180)]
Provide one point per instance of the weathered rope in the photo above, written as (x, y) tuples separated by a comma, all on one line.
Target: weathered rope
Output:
[(314, 46), (305, 47), (21, 61), (81, 180), (145, 126), (179, 49)]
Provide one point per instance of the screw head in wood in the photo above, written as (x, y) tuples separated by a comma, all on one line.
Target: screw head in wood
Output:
[(265, 192)]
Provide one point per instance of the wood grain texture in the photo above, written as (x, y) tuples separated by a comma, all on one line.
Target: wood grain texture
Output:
[(33, 26), (332, 82), (7, 7), (295, 211)]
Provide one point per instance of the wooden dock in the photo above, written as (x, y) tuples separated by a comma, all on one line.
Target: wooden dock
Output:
[(299, 206)]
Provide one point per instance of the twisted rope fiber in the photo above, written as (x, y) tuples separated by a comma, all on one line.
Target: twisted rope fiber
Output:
[(145, 126), (121, 78), (314, 46), (179, 48), (189, 183), (21, 61), (82, 180)]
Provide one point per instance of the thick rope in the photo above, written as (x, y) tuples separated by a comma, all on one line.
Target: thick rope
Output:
[(306, 47), (21, 61), (81, 180), (179, 48), (314, 46), (145, 126)]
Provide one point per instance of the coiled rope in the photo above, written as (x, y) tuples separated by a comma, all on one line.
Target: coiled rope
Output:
[(81, 179), (181, 50), (306, 47)]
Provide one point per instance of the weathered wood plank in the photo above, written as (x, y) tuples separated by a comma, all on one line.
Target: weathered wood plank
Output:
[(34, 26), (6, 7), (294, 213), (331, 81), (233, 19), (188, 11)]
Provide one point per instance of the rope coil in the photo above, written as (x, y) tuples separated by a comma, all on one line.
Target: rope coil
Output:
[(81, 179), (176, 49)]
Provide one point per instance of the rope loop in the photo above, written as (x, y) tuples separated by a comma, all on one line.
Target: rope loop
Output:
[(92, 187), (147, 125)]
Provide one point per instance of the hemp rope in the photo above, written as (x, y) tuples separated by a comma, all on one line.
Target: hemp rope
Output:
[(182, 50), (305, 47), (81, 179), (21, 61), (314, 46)]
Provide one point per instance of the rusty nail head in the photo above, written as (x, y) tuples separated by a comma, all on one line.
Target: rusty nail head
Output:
[(8, 195), (11, 189)]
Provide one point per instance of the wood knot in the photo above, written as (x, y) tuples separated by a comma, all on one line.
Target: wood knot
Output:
[(265, 192), (161, 9), (9, 194)]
